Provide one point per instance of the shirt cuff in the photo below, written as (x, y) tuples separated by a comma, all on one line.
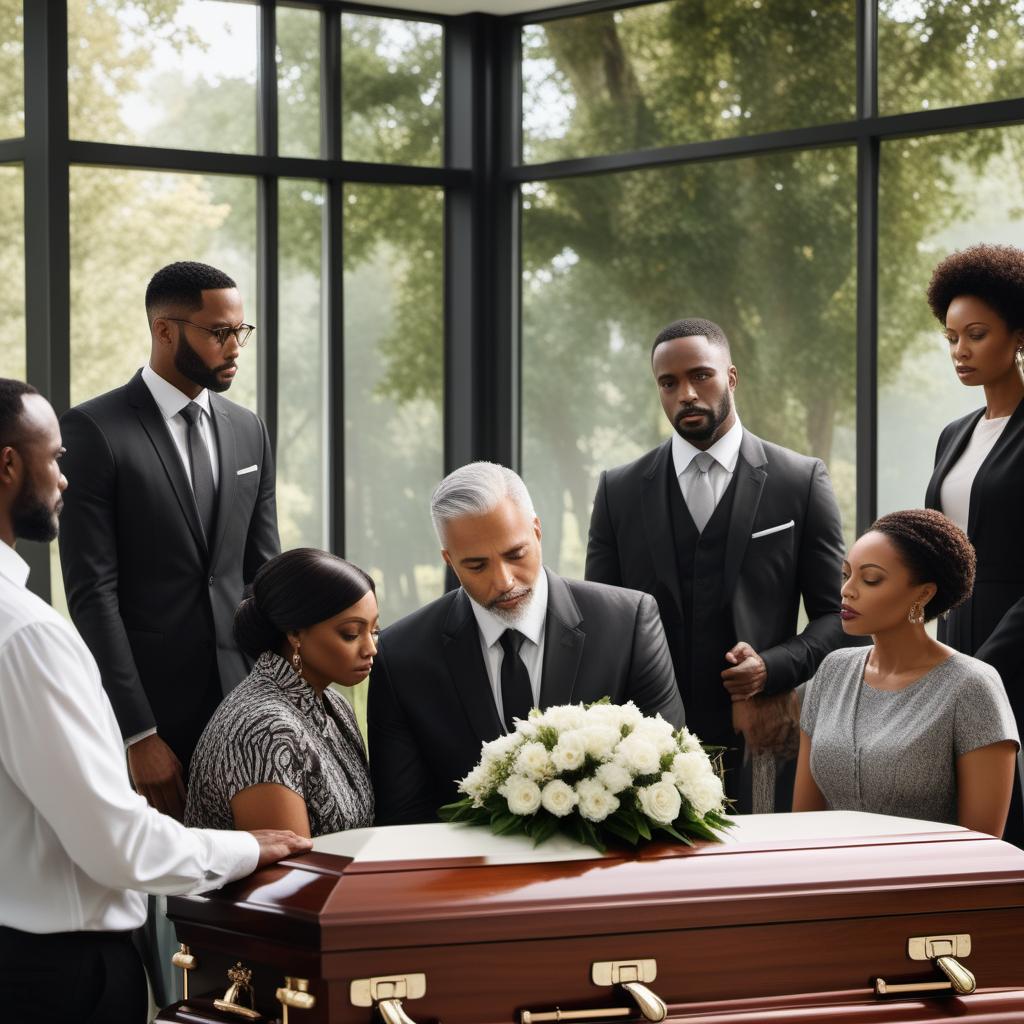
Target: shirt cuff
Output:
[(232, 855), (131, 740)]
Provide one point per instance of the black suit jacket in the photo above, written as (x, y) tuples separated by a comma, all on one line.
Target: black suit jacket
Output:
[(153, 601), (430, 702), (990, 624), (764, 576)]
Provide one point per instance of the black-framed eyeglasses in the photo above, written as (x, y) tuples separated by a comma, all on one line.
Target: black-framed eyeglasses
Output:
[(242, 332)]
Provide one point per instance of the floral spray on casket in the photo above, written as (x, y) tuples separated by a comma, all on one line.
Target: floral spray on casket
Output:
[(597, 773)]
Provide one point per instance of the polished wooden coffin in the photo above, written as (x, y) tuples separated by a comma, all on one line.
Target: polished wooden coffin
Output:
[(803, 918)]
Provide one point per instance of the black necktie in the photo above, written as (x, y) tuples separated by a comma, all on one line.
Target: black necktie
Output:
[(202, 469), (516, 692)]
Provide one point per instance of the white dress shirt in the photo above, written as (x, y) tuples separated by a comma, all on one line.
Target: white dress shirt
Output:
[(78, 846), (955, 492), (725, 452), (490, 628), (171, 401)]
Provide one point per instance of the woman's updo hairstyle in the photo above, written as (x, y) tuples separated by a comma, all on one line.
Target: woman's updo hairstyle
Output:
[(992, 273), (935, 550), (295, 590)]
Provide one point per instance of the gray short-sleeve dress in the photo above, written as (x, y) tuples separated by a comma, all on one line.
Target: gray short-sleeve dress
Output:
[(894, 752), (274, 727)]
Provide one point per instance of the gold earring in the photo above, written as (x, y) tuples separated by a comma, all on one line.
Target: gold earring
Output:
[(1019, 359), (297, 660), (916, 615)]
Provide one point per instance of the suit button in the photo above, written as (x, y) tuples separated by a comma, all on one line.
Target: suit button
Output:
[(210, 581)]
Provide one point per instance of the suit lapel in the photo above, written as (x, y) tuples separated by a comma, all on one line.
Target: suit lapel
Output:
[(1012, 434), (563, 644), (953, 451), (227, 458), (654, 500), (153, 423), (750, 478), (460, 640)]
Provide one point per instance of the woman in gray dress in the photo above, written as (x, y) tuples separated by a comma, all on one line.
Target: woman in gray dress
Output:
[(283, 750), (908, 726)]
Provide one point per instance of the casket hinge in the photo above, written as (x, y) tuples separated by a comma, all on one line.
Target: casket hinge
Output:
[(943, 951), (630, 976), (387, 993)]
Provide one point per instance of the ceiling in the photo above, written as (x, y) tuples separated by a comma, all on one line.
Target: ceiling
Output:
[(469, 6)]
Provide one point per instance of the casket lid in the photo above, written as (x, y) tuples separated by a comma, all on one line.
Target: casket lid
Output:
[(424, 885)]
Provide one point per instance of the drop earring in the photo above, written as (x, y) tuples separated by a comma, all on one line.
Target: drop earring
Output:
[(916, 615), (297, 660)]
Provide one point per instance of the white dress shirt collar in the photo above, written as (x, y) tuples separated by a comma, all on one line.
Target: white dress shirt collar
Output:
[(168, 398), (13, 566), (725, 451), (491, 625)]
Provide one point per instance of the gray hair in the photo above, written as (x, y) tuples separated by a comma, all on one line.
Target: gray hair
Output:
[(474, 490)]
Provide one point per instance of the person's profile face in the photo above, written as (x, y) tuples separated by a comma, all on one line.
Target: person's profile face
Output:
[(878, 590), (198, 356), (496, 556), (341, 649), (36, 507), (695, 384), (981, 344)]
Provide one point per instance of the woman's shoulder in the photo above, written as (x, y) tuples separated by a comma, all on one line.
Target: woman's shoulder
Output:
[(968, 675), (842, 662)]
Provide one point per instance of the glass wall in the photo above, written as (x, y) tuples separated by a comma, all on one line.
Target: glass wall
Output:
[(12, 70), (298, 81), (12, 271)]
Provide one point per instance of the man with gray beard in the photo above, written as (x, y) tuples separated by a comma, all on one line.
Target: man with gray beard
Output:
[(457, 673)]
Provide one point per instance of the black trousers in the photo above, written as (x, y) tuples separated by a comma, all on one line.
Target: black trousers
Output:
[(71, 978)]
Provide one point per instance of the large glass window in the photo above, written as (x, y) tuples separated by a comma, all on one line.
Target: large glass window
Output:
[(764, 246), (298, 81), (174, 73), (12, 272), (683, 71), (302, 435), (125, 225), (12, 70), (938, 194), (391, 89), (936, 53)]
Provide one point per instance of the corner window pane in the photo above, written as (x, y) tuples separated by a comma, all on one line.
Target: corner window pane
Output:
[(302, 436), (934, 53), (764, 246), (391, 90), (937, 194), (12, 70), (12, 274), (125, 225), (298, 81), (684, 71), (173, 73)]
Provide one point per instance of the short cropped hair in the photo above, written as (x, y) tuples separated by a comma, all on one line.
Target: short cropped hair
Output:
[(692, 327), (474, 490), (182, 285), (992, 273), (12, 405), (935, 550)]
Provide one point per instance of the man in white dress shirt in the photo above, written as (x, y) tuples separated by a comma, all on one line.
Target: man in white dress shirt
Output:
[(78, 847)]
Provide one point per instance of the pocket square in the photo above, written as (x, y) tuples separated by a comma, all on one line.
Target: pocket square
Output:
[(773, 529), (248, 469)]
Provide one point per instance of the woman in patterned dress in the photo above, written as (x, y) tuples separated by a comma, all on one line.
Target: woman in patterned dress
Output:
[(283, 750)]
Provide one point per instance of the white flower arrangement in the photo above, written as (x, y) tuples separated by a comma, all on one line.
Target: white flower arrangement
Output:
[(597, 773)]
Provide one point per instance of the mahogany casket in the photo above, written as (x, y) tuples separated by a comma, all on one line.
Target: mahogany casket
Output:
[(803, 917)]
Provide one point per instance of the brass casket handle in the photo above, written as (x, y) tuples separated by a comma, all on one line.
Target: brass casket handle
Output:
[(942, 951), (295, 995), (630, 976), (387, 993)]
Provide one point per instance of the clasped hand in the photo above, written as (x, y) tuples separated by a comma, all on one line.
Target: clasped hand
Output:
[(748, 673)]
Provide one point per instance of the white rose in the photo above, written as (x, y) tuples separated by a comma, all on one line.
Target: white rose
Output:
[(704, 793), (661, 801), (534, 761), (659, 733), (638, 754), (569, 752), (558, 798), (614, 777), (596, 803), (477, 784), (523, 795), (630, 715), (498, 749), (564, 717), (691, 766), (605, 714), (688, 743), (599, 740)]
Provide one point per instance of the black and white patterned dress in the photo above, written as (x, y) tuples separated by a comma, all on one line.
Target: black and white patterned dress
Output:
[(274, 727)]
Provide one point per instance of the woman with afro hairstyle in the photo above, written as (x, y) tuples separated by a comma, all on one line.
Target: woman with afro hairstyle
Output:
[(908, 726), (978, 481)]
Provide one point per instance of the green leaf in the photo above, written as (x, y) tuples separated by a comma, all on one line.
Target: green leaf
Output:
[(544, 827), (503, 824), (620, 826)]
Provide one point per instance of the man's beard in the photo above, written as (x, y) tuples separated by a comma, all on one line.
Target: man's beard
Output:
[(188, 364), (713, 420), (31, 518), (513, 616)]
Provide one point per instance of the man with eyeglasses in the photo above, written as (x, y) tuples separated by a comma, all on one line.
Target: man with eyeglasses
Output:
[(171, 513)]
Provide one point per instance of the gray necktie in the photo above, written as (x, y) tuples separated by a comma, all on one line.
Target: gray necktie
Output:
[(202, 470), (701, 499)]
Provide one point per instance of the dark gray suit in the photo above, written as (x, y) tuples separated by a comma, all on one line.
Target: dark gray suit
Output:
[(430, 703), (152, 599)]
